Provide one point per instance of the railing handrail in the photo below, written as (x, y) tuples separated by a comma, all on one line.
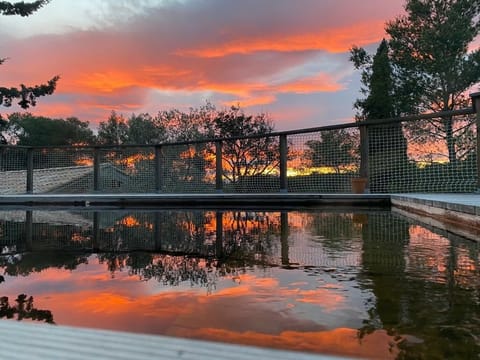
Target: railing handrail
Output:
[(372, 122)]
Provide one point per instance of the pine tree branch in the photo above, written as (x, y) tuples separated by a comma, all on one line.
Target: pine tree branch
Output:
[(21, 8), (27, 95)]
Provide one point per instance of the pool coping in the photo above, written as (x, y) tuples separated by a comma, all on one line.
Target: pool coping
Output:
[(197, 200), (458, 214), (44, 341)]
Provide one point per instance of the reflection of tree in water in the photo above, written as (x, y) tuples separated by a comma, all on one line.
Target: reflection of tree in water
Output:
[(198, 250), (187, 232), (173, 270), (336, 230), (167, 269), (23, 309), (250, 236), (430, 319), (26, 263)]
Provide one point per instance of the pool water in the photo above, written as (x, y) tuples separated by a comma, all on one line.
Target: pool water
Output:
[(372, 285)]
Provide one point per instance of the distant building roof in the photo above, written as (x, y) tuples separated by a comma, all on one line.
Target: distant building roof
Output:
[(50, 179)]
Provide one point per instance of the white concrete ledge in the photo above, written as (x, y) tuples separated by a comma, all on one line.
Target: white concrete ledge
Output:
[(458, 214), (29, 341)]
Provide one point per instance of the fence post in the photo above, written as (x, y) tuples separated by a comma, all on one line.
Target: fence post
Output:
[(96, 169), (283, 163), (158, 168), (476, 107), (96, 231), (219, 235), (364, 162), (29, 171), (284, 238), (29, 229), (218, 167)]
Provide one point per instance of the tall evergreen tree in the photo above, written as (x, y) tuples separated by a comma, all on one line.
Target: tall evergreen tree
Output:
[(387, 144), (378, 86), (26, 95), (430, 48)]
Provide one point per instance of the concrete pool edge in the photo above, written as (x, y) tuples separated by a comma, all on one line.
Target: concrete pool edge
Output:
[(45, 341), (458, 214), (198, 200)]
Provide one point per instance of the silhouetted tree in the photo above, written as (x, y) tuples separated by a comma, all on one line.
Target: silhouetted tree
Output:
[(23, 309), (335, 149), (29, 130), (143, 129), (114, 131), (387, 144), (434, 64), (245, 157)]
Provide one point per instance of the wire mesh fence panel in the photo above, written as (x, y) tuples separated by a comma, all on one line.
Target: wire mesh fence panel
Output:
[(323, 161), (251, 165), (128, 170), (63, 170), (427, 155), (13, 174), (434, 155), (389, 166), (12, 233), (187, 168)]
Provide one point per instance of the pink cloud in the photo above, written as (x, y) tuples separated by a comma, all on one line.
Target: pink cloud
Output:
[(229, 48)]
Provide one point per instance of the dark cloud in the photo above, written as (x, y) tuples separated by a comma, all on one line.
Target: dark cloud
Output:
[(246, 51)]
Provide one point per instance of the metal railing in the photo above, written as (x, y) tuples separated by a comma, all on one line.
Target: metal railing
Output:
[(436, 152)]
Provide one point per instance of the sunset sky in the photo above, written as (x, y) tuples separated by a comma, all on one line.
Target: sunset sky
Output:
[(288, 58)]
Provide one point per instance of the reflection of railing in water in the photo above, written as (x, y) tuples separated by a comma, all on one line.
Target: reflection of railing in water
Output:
[(207, 234), (251, 237), (269, 238)]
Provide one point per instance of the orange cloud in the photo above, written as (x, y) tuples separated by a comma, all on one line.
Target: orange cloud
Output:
[(251, 101), (320, 83), (334, 40), (230, 60)]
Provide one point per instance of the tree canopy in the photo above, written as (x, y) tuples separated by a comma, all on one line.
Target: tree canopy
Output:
[(426, 65), (29, 130), (430, 48), (377, 83), (335, 149), (245, 157), (114, 131)]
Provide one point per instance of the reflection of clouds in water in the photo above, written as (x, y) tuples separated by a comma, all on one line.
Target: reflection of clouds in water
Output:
[(338, 284)]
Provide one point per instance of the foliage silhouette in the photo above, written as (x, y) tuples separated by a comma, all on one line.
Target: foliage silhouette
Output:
[(434, 66), (23, 309)]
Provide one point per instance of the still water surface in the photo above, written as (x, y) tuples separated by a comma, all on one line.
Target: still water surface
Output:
[(371, 285)]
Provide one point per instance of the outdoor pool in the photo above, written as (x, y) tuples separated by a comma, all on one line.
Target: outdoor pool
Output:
[(372, 284)]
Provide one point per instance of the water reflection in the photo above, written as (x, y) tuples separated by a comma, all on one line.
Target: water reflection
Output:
[(23, 309), (375, 283)]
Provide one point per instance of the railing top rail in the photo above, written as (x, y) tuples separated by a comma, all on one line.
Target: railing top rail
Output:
[(376, 122)]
